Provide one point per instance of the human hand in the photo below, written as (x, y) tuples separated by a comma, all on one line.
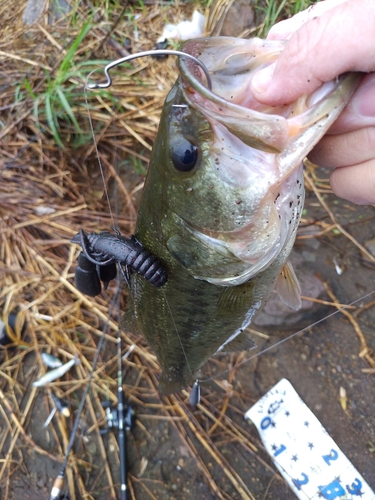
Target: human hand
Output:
[(326, 40)]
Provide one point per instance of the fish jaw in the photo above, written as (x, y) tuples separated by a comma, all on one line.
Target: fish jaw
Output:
[(232, 64), (233, 258)]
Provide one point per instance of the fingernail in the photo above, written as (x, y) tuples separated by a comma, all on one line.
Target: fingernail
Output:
[(261, 80), (364, 101)]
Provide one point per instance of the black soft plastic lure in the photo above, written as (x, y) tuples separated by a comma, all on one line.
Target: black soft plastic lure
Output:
[(102, 252)]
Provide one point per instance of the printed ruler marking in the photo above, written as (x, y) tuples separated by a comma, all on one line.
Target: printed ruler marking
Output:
[(307, 457)]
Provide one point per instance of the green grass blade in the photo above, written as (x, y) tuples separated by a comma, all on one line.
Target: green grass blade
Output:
[(68, 108), (278, 11), (51, 122), (66, 62), (28, 87)]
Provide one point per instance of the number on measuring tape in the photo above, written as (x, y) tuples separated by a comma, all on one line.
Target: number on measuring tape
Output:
[(308, 458)]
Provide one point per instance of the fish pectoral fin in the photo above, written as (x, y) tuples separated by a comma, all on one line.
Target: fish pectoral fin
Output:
[(288, 287), (236, 299), (243, 342)]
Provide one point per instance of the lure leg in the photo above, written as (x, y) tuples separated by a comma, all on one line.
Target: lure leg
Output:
[(125, 274)]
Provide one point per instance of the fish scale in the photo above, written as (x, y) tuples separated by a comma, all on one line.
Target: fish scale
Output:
[(221, 205)]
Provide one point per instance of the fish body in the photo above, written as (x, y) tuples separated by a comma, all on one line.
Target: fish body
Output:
[(221, 204), (56, 373), (50, 360)]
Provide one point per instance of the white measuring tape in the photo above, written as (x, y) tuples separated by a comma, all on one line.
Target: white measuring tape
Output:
[(307, 457)]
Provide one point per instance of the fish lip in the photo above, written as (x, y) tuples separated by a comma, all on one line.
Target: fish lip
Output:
[(267, 129), (196, 83), (212, 234), (194, 228), (208, 94), (250, 272)]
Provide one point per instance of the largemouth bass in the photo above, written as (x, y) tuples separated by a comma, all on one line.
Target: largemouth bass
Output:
[(221, 204)]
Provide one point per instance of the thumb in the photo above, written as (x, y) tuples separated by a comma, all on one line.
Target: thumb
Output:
[(340, 40)]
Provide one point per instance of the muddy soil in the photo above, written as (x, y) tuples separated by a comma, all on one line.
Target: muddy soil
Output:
[(317, 362)]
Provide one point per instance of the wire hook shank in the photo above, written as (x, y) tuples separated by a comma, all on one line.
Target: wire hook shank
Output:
[(168, 52)]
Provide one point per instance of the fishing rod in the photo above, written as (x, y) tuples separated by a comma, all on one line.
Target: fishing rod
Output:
[(97, 263), (122, 418), (56, 491)]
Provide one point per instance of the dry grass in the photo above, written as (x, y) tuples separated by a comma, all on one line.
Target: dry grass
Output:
[(46, 194), (37, 259)]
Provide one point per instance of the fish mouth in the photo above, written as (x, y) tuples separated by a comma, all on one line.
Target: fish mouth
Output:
[(230, 102), (261, 128)]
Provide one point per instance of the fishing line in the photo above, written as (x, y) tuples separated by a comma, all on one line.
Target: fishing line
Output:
[(86, 86), (122, 418), (178, 335), (282, 341), (195, 393), (107, 84)]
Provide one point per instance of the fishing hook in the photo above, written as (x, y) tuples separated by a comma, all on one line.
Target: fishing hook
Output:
[(167, 52)]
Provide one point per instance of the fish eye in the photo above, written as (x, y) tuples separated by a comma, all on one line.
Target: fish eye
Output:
[(184, 155)]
